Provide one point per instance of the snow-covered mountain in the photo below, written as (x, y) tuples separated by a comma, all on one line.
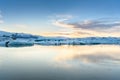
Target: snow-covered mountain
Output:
[(22, 39)]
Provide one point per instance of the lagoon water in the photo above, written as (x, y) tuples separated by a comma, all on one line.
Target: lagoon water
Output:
[(97, 62)]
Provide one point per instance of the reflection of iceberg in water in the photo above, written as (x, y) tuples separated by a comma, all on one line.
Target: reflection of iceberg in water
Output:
[(91, 54)]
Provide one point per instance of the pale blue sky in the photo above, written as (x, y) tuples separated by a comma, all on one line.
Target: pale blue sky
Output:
[(52, 16)]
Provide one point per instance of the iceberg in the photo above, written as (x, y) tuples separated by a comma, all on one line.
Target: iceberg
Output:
[(16, 43), (8, 39)]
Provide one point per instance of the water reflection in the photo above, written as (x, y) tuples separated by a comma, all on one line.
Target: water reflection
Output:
[(60, 62), (91, 54)]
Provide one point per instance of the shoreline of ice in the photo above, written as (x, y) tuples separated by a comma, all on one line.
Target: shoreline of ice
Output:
[(8, 39), (21, 42)]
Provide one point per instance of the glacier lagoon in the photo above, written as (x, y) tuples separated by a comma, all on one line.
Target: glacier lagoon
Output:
[(66, 62)]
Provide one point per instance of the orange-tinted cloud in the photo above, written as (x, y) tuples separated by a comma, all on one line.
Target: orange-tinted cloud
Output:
[(86, 28)]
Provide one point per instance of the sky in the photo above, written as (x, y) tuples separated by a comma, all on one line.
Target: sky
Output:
[(69, 18)]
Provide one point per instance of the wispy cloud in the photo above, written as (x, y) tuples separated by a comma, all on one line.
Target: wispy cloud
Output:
[(58, 19), (97, 27), (89, 24)]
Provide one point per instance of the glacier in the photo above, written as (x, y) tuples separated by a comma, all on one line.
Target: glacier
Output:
[(8, 39)]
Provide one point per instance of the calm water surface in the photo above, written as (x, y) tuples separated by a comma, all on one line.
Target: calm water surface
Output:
[(98, 62)]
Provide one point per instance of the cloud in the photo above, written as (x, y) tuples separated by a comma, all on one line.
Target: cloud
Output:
[(97, 27), (89, 24), (59, 20), (62, 24), (65, 34)]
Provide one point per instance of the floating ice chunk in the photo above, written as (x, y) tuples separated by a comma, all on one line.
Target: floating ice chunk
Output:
[(20, 43)]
